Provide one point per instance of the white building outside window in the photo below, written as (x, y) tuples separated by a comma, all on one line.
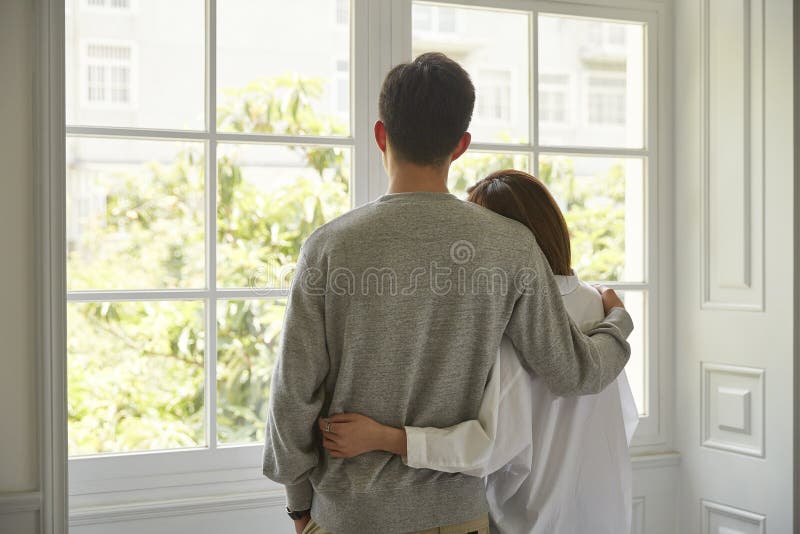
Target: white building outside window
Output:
[(342, 14), (342, 90), (494, 95), (108, 74), (606, 98), (553, 98), (110, 5)]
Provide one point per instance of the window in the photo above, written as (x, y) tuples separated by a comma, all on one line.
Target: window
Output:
[(342, 13), (608, 106), (342, 92), (108, 79), (199, 159), (185, 215), (436, 19), (553, 97), (595, 161), (447, 19), (494, 96), (603, 196), (606, 100), (116, 5)]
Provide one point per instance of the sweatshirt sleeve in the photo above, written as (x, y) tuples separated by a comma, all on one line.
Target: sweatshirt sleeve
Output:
[(292, 443), (549, 343)]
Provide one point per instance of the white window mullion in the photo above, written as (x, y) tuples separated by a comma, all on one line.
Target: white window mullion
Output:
[(534, 92), (211, 225), (199, 135), (593, 151), (501, 147), (137, 295)]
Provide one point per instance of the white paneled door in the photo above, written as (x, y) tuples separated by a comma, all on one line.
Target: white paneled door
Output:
[(734, 267)]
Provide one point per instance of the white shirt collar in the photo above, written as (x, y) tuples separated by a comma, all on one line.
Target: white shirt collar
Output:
[(566, 284)]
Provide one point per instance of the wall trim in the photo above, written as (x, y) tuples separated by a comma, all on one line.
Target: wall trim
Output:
[(653, 461), (20, 501), (49, 142), (176, 507)]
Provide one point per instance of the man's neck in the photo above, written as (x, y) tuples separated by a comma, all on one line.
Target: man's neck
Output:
[(409, 178)]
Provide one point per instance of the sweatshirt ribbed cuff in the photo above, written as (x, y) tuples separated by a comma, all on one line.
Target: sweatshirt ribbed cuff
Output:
[(298, 496), (620, 318), (416, 452)]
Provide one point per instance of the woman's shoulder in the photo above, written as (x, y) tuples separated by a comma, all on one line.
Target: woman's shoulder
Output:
[(584, 304)]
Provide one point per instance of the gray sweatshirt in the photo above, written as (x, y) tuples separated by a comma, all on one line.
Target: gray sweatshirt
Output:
[(396, 311)]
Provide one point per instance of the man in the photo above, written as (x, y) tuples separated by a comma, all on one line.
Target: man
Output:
[(396, 312)]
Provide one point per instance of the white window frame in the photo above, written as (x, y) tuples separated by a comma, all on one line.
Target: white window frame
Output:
[(127, 486), (94, 479), (85, 62)]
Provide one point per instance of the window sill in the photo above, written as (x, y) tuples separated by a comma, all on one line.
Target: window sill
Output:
[(218, 491)]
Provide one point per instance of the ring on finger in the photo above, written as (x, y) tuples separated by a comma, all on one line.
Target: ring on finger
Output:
[(328, 426)]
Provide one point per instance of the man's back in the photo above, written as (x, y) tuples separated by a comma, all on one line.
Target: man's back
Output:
[(397, 311)]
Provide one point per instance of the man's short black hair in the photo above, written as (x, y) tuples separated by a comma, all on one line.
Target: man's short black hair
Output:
[(426, 106)]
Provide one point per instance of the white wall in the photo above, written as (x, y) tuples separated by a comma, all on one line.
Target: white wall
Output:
[(18, 411)]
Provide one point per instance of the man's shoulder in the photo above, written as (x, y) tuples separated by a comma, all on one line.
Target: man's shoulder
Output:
[(339, 227), (473, 221)]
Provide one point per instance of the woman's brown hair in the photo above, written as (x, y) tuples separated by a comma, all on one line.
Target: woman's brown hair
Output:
[(524, 198)]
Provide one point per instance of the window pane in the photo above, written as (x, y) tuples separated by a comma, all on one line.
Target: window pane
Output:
[(603, 202), (474, 166), (493, 46), (136, 68), (270, 198), (134, 214), (247, 348), (636, 370), (591, 82), (135, 376), (265, 86)]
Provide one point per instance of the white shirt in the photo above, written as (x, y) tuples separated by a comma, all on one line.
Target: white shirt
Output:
[(552, 464)]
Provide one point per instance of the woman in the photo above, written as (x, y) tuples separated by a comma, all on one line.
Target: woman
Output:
[(552, 465)]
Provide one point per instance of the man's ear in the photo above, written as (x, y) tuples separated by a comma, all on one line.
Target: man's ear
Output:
[(380, 135), (461, 147)]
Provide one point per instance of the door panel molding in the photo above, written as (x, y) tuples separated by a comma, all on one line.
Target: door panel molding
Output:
[(723, 519), (732, 408), (732, 155)]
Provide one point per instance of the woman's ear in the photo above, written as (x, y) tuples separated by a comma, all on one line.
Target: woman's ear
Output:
[(461, 147), (380, 135)]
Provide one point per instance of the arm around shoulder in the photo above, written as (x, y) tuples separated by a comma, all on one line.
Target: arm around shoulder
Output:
[(550, 345)]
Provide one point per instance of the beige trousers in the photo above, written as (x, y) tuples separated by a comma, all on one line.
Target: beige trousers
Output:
[(476, 526)]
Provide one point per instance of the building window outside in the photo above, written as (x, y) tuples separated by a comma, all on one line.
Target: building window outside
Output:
[(553, 97), (433, 19), (108, 80), (342, 12), (116, 5), (494, 98), (342, 90), (606, 99)]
